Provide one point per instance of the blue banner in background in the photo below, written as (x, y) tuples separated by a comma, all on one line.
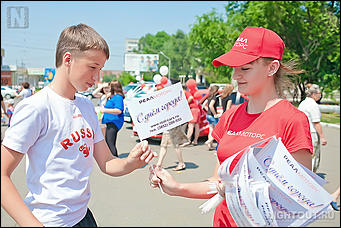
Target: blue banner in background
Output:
[(49, 74)]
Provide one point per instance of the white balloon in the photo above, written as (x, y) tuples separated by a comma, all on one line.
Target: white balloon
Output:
[(157, 78), (138, 78), (163, 70)]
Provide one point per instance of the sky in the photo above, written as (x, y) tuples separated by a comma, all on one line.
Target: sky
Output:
[(33, 43)]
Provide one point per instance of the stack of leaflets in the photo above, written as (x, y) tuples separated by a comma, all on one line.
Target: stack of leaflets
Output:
[(268, 187)]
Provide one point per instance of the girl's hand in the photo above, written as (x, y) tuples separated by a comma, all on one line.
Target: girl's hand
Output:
[(221, 189), (162, 177)]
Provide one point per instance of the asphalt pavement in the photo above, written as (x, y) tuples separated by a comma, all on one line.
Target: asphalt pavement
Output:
[(130, 201)]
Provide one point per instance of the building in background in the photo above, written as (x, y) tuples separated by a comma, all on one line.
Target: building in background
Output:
[(131, 45)]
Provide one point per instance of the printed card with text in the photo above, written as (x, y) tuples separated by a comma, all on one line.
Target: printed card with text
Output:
[(159, 111)]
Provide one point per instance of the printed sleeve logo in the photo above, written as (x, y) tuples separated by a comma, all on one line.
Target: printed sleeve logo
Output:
[(85, 150)]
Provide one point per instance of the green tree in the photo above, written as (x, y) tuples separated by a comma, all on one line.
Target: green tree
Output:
[(176, 47), (309, 29), (210, 37), (108, 77), (126, 78)]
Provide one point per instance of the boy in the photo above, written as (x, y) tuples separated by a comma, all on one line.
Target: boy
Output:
[(59, 131)]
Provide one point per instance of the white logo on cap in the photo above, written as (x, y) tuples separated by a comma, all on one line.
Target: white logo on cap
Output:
[(240, 42)]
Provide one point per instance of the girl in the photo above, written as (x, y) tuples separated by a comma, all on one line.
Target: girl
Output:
[(102, 92), (226, 100), (212, 116), (113, 115), (255, 58)]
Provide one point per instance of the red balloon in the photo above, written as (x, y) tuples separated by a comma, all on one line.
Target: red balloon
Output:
[(197, 95), (191, 84), (143, 85), (159, 86), (193, 91), (164, 80)]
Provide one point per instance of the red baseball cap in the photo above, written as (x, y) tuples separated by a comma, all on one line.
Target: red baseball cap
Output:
[(252, 43)]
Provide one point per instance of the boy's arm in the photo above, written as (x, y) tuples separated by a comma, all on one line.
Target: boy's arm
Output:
[(11, 200), (114, 166)]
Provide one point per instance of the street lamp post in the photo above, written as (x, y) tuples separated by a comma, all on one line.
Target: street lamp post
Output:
[(169, 63)]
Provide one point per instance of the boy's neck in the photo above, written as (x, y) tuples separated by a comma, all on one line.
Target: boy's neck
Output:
[(62, 86)]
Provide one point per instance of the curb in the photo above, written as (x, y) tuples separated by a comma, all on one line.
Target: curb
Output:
[(330, 125)]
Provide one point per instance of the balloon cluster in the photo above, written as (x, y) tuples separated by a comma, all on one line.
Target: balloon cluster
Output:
[(191, 84), (161, 81)]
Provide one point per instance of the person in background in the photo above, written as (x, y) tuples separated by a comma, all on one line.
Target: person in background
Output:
[(255, 58), (102, 92), (236, 97), (113, 115), (3, 111), (59, 132), (226, 100), (176, 137), (335, 196), (3, 107), (312, 110), (212, 115), (25, 91), (10, 110), (193, 125)]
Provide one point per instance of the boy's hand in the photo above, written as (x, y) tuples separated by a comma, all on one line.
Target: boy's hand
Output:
[(141, 154)]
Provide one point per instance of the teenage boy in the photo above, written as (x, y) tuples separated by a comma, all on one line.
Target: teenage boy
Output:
[(59, 132)]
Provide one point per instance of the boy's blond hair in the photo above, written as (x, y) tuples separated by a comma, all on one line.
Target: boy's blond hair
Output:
[(79, 38)]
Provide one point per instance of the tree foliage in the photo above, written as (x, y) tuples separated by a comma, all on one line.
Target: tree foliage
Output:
[(125, 78), (309, 29)]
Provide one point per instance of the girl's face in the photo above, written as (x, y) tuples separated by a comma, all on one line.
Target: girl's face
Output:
[(252, 77), (106, 89)]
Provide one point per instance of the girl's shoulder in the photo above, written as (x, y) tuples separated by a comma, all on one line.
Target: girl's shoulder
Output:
[(284, 110)]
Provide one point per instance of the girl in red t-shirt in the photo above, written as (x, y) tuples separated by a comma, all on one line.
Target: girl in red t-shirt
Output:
[(255, 58)]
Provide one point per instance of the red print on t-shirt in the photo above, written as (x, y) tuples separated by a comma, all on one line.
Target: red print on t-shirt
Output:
[(85, 150)]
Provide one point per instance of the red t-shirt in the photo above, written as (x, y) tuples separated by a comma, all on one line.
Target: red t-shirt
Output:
[(238, 129), (193, 103)]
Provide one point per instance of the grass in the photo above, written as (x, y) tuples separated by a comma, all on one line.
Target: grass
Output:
[(330, 117)]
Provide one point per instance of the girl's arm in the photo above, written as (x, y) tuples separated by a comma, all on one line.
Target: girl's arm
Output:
[(228, 104), (115, 111), (198, 190), (11, 200), (303, 156), (97, 93), (211, 107)]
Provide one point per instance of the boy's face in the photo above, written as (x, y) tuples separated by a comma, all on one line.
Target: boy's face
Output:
[(85, 68)]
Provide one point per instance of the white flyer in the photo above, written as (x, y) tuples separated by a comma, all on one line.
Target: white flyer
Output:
[(159, 111), (268, 187)]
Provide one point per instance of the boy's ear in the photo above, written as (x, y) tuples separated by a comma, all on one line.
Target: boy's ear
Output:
[(67, 58)]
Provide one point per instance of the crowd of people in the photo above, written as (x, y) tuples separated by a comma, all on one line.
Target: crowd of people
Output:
[(62, 135)]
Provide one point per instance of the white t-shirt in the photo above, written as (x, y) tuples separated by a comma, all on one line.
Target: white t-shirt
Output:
[(312, 110), (58, 137), (102, 100), (25, 93)]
